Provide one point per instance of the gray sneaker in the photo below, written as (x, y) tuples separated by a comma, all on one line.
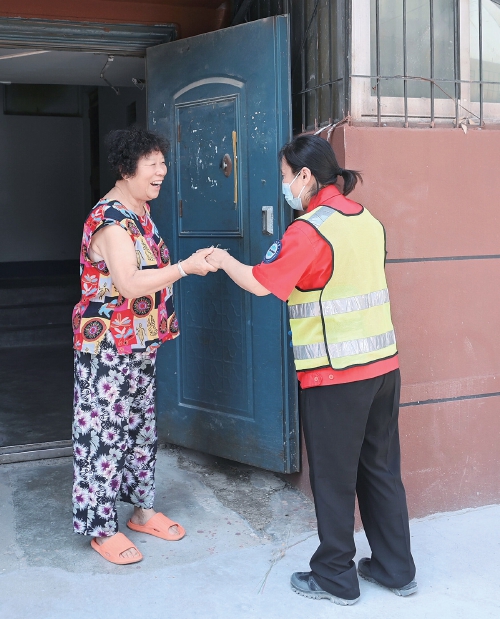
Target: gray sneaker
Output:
[(364, 571), (304, 584)]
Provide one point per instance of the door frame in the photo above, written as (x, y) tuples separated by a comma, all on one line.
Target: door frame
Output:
[(62, 35), (58, 35)]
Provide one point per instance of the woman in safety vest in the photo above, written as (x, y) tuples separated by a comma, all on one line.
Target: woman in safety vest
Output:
[(329, 267)]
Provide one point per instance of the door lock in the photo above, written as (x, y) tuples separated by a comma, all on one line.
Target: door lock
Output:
[(226, 165)]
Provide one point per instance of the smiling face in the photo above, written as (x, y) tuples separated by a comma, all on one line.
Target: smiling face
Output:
[(146, 183)]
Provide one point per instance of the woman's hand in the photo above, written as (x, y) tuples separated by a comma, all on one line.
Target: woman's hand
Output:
[(240, 273), (197, 263), (217, 257)]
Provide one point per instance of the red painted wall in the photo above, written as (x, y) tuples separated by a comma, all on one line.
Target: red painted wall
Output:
[(437, 193)]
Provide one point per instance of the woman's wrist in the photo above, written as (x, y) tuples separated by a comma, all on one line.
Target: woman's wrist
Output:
[(225, 260), (181, 270)]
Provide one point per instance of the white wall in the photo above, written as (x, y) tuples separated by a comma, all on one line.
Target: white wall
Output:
[(41, 187), (45, 176)]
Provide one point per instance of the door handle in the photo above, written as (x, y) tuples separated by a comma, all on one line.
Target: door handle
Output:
[(226, 165), (235, 159), (267, 220)]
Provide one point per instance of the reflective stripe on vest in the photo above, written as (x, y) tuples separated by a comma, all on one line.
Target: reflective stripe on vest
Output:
[(339, 306), (345, 349), (320, 216)]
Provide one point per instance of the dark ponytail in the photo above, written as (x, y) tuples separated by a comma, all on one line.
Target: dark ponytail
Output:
[(315, 153), (351, 178)]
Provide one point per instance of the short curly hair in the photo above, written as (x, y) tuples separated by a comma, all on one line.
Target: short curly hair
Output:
[(127, 146)]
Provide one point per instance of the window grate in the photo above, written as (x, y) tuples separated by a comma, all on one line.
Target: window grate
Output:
[(318, 59), (415, 61)]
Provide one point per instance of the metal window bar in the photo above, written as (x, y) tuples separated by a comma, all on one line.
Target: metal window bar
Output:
[(324, 85), (330, 62), (377, 60), (303, 70), (480, 18), (405, 65), (456, 56), (346, 84), (316, 65), (417, 77), (431, 36)]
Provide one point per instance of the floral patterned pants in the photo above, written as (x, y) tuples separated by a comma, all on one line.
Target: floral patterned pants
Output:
[(114, 436)]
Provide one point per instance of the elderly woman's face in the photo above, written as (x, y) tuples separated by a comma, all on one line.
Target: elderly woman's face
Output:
[(146, 182)]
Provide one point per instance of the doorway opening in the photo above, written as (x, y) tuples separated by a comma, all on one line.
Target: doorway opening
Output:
[(55, 109)]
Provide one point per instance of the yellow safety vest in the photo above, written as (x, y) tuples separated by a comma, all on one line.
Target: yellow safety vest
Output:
[(348, 322)]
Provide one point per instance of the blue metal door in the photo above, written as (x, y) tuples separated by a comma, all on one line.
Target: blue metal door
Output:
[(226, 386)]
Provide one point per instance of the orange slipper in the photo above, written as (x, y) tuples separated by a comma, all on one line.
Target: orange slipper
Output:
[(112, 548), (159, 526)]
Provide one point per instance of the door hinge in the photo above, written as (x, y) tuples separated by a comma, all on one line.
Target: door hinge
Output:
[(180, 208)]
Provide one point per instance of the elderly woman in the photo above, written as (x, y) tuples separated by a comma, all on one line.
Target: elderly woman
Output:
[(125, 313)]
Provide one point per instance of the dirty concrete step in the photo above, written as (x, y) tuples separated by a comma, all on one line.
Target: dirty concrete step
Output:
[(13, 296), (36, 336), (36, 314)]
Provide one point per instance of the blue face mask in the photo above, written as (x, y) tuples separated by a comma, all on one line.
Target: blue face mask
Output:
[(294, 202)]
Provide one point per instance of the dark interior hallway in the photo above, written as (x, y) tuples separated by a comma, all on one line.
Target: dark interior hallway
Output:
[(58, 109), (36, 359), (36, 394)]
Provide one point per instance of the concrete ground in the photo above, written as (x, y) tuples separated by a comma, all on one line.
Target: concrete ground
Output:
[(247, 531)]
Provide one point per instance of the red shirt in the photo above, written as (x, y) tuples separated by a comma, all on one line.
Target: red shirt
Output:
[(304, 260)]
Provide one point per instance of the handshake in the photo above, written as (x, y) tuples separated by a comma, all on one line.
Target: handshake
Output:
[(214, 258), (206, 260)]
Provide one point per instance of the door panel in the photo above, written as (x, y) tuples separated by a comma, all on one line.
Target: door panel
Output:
[(227, 385), (215, 375), (206, 131)]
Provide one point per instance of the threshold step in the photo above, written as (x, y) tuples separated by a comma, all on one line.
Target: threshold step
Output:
[(35, 451)]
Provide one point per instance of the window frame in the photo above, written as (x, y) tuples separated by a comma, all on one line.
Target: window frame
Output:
[(459, 110)]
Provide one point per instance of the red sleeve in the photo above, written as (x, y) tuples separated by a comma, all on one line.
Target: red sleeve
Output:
[(288, 259)]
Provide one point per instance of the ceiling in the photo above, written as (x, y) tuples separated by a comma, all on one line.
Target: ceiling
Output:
[(26, 66)]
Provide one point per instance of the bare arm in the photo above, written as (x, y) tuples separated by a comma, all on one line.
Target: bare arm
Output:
[(240, 273), (115, 246)]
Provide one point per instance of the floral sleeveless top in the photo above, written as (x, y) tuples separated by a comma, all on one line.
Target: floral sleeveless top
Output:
[(136, 324)]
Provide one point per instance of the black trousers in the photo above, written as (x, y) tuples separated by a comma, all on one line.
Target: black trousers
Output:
[(352, 439)]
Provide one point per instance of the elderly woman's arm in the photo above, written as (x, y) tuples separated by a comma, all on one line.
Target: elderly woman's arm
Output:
[(240, 273), (115, 247)]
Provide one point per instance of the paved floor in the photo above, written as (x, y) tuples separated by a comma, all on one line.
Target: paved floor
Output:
[(247, 532)]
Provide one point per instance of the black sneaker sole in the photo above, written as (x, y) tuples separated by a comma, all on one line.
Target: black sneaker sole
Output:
[(402, 591), (323, 595)]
